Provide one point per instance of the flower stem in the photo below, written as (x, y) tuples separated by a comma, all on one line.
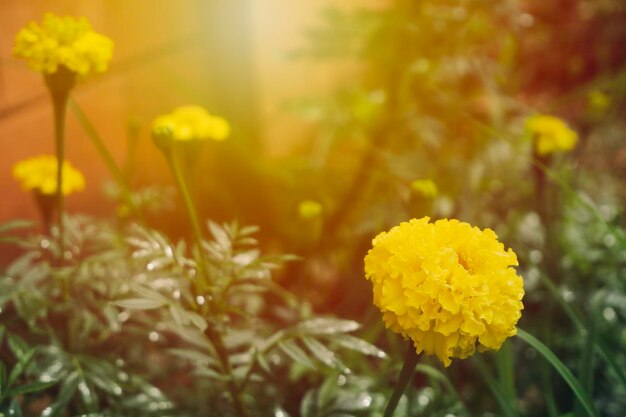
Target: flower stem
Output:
[(410, 362), (59, 102), (106, 156), (193, 217), (60, 83), (234, 391)]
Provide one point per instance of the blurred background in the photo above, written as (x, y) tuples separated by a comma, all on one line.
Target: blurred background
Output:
[(345, 105)]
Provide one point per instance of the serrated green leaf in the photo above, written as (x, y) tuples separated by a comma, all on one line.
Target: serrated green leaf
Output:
[(194, 356), (325, 326), (325, 355), (17, 346), (65, 395), (220, 235), (87, 395), (354, 343), (291, 349), (139, 303), (15, 224), (31, 388), (20, 366)]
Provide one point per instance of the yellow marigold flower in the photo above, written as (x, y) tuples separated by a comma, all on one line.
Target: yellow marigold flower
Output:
[(309, 209), (426, 188), (448, 286), (551, 134), (598, 101), (63, 41), (192, 123), (40, 173)]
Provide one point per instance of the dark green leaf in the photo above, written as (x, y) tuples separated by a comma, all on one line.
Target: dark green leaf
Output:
[(14, 409), (65, 395), (20, 366), (32, 388)]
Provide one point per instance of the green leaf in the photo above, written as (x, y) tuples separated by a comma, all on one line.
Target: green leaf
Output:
[(325, 355), (17, 345), (65, 395), (3, 378), (14, 409), (324, 326), (291, 349), (139, 303), (497, 391), (32, 388), (195, 356), (15, 224), (88, 395), (567, 375), (20, 366), (354, 343)]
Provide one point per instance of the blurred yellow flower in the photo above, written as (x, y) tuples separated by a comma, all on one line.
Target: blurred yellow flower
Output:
[(550, 134), (309, 209), (598, 101), (40, 173), (63, 41), (192, 123), (425, 188), (448, 286)]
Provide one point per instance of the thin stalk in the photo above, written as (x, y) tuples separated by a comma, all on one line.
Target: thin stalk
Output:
[(234, 391), (59, 104), (410, 362), (106, 156), (193, 217)]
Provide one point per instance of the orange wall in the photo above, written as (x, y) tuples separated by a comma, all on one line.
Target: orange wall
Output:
[(228, 55)]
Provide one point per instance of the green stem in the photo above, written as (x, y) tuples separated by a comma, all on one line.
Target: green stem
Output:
[(193, 217), (106, 156), (59, 103), (234, 391), (410, 362)]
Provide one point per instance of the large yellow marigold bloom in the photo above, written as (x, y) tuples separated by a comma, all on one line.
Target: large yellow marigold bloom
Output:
[(448, 286), (192, 123), (40, 173), (550, 134), (63, 41)]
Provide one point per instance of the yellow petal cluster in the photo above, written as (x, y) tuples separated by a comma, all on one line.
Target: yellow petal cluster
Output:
[(309, 209), (550, 134), (448, 286), (40, 173), (188, 123), (63, 41), (425, 188)]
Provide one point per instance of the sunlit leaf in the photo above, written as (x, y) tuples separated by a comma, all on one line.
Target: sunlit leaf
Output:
[(324, 326)]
